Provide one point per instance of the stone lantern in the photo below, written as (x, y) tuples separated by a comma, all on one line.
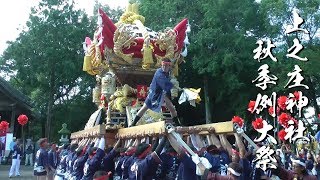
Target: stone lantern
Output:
[(64, 134)]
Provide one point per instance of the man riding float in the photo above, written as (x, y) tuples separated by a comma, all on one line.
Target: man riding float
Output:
[(159, 91)]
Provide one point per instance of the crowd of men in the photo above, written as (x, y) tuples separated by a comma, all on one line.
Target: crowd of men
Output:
[(163, 158)]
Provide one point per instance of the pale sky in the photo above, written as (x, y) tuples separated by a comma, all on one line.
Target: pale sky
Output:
[(15, 13)]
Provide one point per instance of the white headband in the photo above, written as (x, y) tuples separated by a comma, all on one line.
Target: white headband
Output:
[(299, 162), (234, 172)]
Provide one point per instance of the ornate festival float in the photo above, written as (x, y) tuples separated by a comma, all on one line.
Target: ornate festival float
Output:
[(123, 57)]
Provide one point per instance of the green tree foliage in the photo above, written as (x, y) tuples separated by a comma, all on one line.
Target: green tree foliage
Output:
[(47, 58), (113, 14), (162, 14), (223, 35), (223, 50), (278, 15)]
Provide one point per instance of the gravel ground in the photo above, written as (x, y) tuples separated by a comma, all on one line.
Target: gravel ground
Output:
[(25, 171)]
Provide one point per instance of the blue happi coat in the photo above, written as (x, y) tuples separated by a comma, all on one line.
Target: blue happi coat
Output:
[(144, 169), (108, 163), (128, 160), (53, 159), (187, 168), (169, 167), (93, 165), (16, 152), (119, 165), (159, 86), (41, 162), (78, 166), (70, 160)]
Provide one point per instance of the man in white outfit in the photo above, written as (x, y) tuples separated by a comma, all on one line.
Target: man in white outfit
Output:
[(16, 158)]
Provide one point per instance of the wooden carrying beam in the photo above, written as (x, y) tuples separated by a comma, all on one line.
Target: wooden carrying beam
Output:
[(219, 128), (152, 129), (158, 128), (90, 132)]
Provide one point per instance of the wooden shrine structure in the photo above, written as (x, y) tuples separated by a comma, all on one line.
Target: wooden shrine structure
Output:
[(12, 104)]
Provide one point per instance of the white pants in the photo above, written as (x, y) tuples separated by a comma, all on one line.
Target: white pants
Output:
[(29, 159), (59, 175), (41, 177), (15, 167), (58, 178)]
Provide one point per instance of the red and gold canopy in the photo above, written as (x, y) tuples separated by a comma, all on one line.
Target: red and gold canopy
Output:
[(129, 45)]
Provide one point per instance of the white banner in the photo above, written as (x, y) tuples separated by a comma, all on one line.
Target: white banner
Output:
[(9, 139)]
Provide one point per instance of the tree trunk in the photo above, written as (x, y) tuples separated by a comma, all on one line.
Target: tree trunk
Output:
[(23, 138), (50, 104), (43, 126), (48, 124), (207, 101)]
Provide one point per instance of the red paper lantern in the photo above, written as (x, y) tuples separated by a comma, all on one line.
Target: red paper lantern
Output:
[(296, 95), (282, 102), (258, 123), (283, 119), (4, 126), (281, 134), (270, 110), (238, 120), (251, 106), (22, 119)]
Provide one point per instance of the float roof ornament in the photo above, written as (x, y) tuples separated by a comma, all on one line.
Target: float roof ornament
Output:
[(129, 45)]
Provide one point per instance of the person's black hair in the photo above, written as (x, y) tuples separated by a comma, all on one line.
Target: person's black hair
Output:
[(166, 60), (91, 150), (170, 148), (73, 147), (304, 171), (79, 151), (108, 150), (99, 174), (141, 148), (68, 147), (212, 149), (122, 150), (161, 145), (236, 167), (92, 144)]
